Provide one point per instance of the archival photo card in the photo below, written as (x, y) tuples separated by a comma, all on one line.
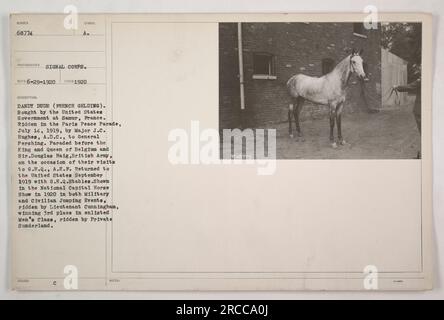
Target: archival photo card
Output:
[(221, 152)]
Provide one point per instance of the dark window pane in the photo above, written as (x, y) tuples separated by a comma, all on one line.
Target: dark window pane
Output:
[(262, 64)]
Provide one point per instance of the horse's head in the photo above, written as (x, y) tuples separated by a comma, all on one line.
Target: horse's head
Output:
[(357, 64)]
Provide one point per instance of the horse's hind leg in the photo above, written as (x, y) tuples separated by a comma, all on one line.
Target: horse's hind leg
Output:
[(299, 104), (339, 122), (290, 116)]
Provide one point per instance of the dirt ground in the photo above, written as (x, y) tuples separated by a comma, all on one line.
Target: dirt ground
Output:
[(387, 134)]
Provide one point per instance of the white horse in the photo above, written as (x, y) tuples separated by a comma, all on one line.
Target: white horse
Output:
[(326, 90)]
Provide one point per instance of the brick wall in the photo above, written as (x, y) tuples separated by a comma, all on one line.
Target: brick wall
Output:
[(297, 48)]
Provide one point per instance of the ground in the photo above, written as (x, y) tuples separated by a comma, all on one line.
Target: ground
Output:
[(387, 134)]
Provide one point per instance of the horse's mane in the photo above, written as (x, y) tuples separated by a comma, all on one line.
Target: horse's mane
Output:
[(343, 69)]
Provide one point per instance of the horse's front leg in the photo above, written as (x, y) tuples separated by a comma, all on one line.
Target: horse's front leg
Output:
[(290, 116), (339, 122), (332, 125)]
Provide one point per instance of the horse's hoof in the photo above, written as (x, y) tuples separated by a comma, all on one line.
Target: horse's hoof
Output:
[(291, 136), (334, 145), (343, 143)]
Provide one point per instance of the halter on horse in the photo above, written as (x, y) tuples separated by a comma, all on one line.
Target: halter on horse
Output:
[(326, 90)]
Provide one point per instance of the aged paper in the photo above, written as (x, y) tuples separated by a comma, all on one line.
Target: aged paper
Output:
[(124, 177)]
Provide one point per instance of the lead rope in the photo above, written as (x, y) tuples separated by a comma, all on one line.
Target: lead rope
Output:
[(397, 98)]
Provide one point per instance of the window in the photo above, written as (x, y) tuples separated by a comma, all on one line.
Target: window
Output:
[(263, 66), (327, 65), (359, 30)]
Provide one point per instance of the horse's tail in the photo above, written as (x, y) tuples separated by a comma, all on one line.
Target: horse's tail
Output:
[(291, 88), (291, 84)]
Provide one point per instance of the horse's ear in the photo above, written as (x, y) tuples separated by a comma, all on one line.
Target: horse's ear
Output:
[(353, 51), (361, 51)]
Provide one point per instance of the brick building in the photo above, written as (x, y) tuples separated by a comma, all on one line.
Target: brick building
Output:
[(273, 52)]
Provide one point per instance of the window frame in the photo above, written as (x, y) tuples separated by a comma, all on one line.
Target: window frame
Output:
[(271, 67)]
